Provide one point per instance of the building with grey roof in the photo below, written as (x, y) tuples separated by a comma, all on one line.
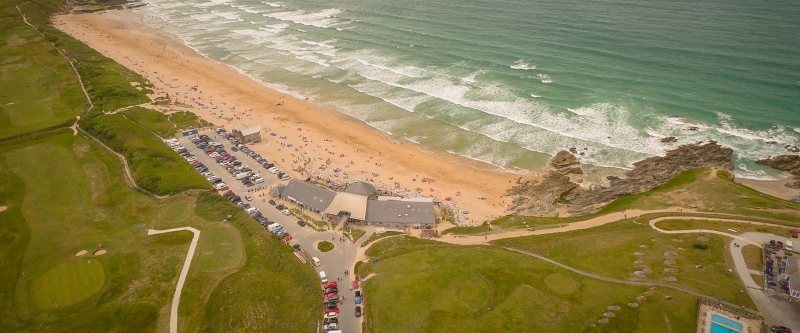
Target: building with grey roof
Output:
[(793, 273), (246, 134), (307, 195), (399, 214), (360, 188)]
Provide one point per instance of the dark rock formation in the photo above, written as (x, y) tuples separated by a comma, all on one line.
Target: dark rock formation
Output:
[(556, 192), (669, 139), (788, 163), (563, 159)]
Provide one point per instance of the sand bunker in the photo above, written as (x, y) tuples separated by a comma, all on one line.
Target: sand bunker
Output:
[(633, 305), (669, 262), (670, 253), (80, 253), (639, 253), (2, 208), (613, 307), (647, 270), (639, 274), (638, 262), (100, 252), (671, 278), (609, 315), (643, 245), (640, 298), (603, 321), (671, 270)]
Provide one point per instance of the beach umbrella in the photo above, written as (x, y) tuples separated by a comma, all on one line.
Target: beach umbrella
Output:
[(431, 189)]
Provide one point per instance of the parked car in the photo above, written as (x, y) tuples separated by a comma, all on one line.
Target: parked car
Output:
[(248, 198), (297, 247), (793, 233), (358, 297), (334, 310), (331, 315), (780, 329), (332, 284), (286, 212), (358, 311), (301, 223)]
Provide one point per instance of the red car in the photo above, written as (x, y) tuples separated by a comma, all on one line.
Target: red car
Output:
[(794, 233), (330, 285), (328, 295), (226, 155), (334, 310)]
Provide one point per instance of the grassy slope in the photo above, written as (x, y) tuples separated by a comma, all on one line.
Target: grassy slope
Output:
[(164, 125), (107, 82), (426, 286), (155, 166), (609, 251), (272, 292), (39, 88), (699, 188)]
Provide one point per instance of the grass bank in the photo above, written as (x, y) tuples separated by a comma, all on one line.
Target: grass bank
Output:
[(476, 289)]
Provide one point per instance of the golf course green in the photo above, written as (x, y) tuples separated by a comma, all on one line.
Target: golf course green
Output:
[(68, 283)]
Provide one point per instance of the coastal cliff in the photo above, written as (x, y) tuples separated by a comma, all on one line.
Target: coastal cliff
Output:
[(788, 163), (557, 194)]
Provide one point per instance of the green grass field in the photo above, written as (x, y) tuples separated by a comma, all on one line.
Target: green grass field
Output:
[(162, 124), (753, 257), (426, 286), (609, 250), (722, 226), (52, 215), (354, 233), (39, 88), (68, 283)]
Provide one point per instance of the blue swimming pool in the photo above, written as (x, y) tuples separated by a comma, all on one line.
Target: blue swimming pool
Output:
[(721, 324)]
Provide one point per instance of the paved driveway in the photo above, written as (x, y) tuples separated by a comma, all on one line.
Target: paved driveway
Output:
[(334, 263)]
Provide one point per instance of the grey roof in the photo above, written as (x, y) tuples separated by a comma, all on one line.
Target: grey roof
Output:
[(400, 211), (793, 271), (361, 188), (276, 191), (308, 194)]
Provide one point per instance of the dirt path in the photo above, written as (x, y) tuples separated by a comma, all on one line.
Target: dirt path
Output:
[(590, 223), (176, 299)]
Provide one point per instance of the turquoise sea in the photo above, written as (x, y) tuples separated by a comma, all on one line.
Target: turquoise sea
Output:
[(513, 82)]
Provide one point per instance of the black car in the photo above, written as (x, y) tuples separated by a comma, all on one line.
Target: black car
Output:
[(234, 149), (330, 290), (327, 321), (296, 247), (301, 223), (358, 311), (780, 329)]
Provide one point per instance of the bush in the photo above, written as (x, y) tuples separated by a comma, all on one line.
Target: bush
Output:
[(700, 246)]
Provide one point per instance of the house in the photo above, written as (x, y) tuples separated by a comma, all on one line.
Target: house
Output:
[(246, 134)]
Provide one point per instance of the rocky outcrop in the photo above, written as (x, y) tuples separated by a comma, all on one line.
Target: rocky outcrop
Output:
[(669, 139), (788, 163), (563, 159), (557, 193)]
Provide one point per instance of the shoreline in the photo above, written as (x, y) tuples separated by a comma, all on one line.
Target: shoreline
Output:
[(323, 134)]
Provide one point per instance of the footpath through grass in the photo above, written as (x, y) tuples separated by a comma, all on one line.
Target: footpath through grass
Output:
[(427, 286), (613, 249), (39, 88)]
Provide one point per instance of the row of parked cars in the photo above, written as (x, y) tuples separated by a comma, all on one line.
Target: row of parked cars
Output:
[(273, 227), (330, 296), (255, 156), (202, 168)]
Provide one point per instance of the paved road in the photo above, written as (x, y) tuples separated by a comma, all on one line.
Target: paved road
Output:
[(176, 299), (334, 263)]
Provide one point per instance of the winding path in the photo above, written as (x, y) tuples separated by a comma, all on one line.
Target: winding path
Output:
[(176, 299)]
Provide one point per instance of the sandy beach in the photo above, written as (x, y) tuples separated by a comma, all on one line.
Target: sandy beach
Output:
[(302, 129), (775, 188)]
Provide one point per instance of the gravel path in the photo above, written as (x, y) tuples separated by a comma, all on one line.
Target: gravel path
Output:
[(176, 300)]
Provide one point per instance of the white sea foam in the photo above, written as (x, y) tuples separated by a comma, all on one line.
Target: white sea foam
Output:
[(545, 78), (271, 4), (322, 19), (535, 96), (521, 64)]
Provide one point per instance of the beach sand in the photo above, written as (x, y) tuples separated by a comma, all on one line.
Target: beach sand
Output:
[(314, 131), (775, 188)]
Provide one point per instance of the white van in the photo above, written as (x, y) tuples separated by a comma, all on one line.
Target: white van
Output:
[(315, 261), (789, 245), (222, 187), (323, 277)]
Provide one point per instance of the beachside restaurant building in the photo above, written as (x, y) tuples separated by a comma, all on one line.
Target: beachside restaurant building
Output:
[(306, 195), (389, 212), (246, 134)]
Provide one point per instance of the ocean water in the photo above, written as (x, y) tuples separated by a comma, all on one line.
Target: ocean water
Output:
[(513, 82)]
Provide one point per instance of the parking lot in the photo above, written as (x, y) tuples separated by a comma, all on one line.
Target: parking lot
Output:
[(334, 262)]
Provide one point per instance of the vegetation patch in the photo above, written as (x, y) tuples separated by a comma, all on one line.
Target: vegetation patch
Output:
[(325, 246), (560, 283), (753, 257), (354, 233), (154, 166), (377, 236)]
